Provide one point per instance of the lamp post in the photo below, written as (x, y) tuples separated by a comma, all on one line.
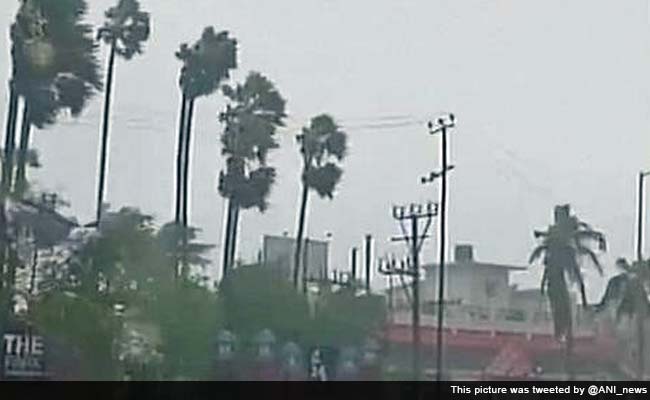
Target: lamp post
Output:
[(440, 127), (639, 236)]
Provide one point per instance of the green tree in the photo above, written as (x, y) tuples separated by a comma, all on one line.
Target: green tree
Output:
[(128, 263), (344, 318), (205, 65), (55, 68), (323, 145), (79, 325), (38, 227), (179, 246), (254, 297), (125, 31), (256, 111), (628, 293), (186, 317), (562, 248)]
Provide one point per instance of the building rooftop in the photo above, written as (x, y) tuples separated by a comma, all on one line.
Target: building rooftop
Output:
[(464, 258), (476, 265)]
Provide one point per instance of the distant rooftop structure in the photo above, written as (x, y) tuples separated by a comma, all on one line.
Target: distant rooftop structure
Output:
[(464, 257), (278, 253)]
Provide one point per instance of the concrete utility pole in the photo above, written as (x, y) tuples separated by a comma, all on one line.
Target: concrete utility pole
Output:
[(639, 258), (440, 127), (368, 261), (353, 262), (411, 234), (639, 215)]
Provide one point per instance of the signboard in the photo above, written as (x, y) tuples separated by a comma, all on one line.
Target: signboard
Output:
[(23, 355)]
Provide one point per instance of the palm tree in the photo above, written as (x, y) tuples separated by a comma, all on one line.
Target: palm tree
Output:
[(322, 145), (55, 67), (562, 248), (205, 65), (256, 111), (125, 31), (628, 292)]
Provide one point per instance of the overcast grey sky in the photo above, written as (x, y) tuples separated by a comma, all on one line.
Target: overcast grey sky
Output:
[(551, 97)]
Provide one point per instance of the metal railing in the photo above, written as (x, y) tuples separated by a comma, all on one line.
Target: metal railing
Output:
[(498, 318)]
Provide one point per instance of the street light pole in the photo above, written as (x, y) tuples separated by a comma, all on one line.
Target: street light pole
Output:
[(441, 126), (639, 256), (639, 236)]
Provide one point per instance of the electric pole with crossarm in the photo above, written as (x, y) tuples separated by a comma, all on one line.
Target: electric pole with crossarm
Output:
[(440, 127), (409, 219)]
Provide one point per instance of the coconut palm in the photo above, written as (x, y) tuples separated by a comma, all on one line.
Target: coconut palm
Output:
[(323, 145), (563, 247), (256, 111), (55, 67), (628, 292), (205, 65), (125, 30)]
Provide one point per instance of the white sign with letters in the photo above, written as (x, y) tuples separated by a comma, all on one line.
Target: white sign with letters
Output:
[(23, 355)]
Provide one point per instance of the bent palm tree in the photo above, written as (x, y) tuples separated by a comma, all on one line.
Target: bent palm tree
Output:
[(126, 29), (322, 145), (563, 246), (55, 66), (257, 109), (205, 65), (628, 292)]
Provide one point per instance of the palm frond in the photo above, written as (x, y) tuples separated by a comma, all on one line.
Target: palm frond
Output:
[(537, 253), (614, 291), (586, 251), (323, 179), (540, 234), (544, 284)]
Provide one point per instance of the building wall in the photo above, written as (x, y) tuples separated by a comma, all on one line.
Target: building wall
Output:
[(278, 252), (479, 285)]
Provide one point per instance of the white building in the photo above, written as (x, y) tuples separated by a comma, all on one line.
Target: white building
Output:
[(278, 253), (480, 295)]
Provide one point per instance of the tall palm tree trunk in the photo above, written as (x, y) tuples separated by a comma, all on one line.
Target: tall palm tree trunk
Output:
[(7, 173), (569, 352), (230, 239), (186, 163), (103, 155), (234, 228), (225, 266), (179, 159), (23, 148), (33, 272), (10, 139), (561, 311), (185, 174), (301, 231)]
